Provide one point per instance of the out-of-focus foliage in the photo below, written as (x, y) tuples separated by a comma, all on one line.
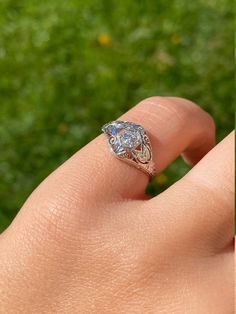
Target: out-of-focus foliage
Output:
[(69, 66)]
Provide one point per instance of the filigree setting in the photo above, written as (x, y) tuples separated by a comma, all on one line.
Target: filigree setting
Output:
[(130, 143)]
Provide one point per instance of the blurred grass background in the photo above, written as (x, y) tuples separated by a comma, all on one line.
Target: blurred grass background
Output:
[(67, 67)]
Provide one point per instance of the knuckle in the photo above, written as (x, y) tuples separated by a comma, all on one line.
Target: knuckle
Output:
[(191, 111), (162, 109), (184, 111)]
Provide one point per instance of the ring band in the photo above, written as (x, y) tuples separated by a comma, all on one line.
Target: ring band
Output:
[(130, 143)]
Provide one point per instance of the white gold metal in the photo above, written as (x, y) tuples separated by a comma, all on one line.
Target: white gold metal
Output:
[(130, 143)]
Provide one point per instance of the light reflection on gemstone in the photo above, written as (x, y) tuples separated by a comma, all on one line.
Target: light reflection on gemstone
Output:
[(129, 139), (130, 143), (113, 130), (125, 136)]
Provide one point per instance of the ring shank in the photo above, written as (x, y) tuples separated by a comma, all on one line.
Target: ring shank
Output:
[(149, 168)]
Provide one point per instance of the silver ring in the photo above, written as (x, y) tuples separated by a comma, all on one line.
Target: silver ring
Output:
[(130, 143)]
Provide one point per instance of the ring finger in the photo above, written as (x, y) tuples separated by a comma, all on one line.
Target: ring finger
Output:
[(174, 126)]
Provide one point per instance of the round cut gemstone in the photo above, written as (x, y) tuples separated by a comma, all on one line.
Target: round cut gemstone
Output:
[(130, 139)]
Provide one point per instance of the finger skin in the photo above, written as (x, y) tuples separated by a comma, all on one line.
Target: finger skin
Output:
[(174, 125), (85, 247), (201, 204), (137, 259), (82, 186), (124, 257)]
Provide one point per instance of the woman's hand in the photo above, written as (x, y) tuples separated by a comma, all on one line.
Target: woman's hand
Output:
[(89, 241)]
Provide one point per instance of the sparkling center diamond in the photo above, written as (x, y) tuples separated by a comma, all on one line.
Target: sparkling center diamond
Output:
[(130, 139)]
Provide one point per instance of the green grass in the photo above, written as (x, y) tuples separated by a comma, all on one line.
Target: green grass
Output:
[(67, 67)]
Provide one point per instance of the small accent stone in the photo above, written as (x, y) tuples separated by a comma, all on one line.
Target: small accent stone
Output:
[(113, 130)]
